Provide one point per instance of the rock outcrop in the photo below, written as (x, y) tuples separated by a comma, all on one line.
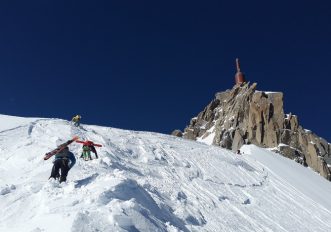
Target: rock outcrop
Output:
[(244, 115), (177, 133)]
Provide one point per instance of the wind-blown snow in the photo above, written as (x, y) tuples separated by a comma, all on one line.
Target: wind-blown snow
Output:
[(151, 182)]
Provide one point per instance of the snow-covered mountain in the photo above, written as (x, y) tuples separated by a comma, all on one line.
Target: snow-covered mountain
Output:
[(146, 181)]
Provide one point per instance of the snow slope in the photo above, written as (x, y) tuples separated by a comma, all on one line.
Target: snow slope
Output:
[(151, 182)]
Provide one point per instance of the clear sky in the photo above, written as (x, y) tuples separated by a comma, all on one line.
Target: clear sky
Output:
[(152, 65)]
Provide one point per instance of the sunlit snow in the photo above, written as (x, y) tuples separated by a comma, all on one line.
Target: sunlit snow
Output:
[(147, 181)]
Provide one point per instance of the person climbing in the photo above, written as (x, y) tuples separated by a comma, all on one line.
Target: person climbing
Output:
[(64, 161), (238, 152), (76, 120), (88, 146)]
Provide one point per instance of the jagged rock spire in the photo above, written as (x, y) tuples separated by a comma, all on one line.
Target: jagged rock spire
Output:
[(243, 115)]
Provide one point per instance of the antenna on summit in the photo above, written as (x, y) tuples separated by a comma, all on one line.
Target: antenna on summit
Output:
[(239, 77), (238, 65)]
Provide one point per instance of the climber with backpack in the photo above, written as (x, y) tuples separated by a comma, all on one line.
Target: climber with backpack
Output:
[(88, 147), (76, 120), (64, 160)]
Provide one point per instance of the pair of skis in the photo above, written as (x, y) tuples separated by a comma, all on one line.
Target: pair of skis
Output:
[(60, 148), (88, 143)]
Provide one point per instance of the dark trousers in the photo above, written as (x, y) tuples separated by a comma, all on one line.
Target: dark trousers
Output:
[(63, 165)]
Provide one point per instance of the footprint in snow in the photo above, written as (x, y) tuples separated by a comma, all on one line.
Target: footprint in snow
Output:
[(247, 202), (223, 198), (7, 189)]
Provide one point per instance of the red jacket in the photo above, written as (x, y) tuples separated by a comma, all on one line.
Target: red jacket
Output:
[(90, 144)]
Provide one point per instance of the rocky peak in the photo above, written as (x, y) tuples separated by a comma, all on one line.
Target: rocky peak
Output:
[(243, 115)]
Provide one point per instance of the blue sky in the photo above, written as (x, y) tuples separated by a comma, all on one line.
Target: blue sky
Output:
[(152, 65)]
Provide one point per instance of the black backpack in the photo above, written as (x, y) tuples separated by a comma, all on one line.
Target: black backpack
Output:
[(62, 154)]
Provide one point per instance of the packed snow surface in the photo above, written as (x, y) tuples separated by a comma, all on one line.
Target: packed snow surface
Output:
[(146, 181)]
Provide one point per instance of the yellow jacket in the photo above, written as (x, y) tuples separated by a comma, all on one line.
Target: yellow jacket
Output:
[(76, 118)]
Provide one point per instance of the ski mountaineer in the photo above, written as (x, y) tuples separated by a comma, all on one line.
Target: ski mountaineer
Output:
[(88, 146), (76, 120), (64, 160)]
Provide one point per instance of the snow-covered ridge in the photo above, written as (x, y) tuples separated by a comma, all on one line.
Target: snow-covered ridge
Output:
[(147, 181)]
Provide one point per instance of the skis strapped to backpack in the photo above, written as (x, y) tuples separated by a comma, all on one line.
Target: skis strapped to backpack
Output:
[(88, 143), (59, 148)]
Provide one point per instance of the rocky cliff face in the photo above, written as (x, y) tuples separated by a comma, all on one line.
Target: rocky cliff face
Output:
[(244, 115)]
